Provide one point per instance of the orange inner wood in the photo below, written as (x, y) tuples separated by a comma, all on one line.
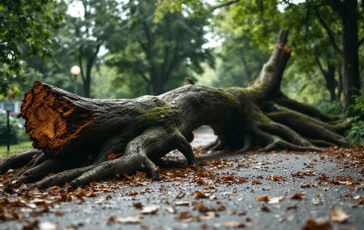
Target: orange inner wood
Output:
[(52, 120)]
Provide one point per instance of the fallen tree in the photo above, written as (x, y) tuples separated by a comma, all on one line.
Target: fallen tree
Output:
[(74, 137)]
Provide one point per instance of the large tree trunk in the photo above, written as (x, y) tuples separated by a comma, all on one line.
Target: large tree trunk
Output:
[(351, 79), (349, 18), (78, 134)]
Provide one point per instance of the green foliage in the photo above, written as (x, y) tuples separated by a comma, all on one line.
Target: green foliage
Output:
[(14, 129), (155, 57), (241, 62), (358, 107), (356, 133), (24, 24), (329, 107)]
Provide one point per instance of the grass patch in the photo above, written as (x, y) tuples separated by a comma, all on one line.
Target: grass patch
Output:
[(22, 147)]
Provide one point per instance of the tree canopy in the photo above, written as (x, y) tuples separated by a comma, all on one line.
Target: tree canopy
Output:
[(24, 25)]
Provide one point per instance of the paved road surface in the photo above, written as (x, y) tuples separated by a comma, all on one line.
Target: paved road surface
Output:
[(232, 201)]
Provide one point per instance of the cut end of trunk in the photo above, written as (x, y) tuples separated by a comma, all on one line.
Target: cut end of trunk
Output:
[(52, 119)]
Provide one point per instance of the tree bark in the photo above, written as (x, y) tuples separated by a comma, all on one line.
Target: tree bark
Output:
[(77, 134), (329, 76), (351, 79)]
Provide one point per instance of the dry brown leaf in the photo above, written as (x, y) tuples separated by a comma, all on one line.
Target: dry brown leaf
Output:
[(263, 198), (180, 195), (337, 215), (317, 225), (264, 209), (235, 224), (187, 217), (292, 208), (59, 213), (113, 156), (360, 199), (297, 196), (275, 178), (125, 220), (133, 193), (150, 209), (204, 226), (199, 195), (138, 205), (210, 215), (254, 182)]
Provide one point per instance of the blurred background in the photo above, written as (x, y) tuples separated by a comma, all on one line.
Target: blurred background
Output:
[(125, 49)]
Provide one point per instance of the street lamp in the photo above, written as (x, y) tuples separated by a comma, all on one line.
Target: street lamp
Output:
[(75, 70)]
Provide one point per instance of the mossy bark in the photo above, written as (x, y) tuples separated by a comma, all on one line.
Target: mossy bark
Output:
[(68, 128)]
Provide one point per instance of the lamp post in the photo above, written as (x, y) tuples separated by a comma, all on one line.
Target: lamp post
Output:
[(75, 70)]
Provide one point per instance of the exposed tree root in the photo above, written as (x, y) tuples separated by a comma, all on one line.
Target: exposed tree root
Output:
[(321, 143), (303, 108), (83, 140), (18, 160)]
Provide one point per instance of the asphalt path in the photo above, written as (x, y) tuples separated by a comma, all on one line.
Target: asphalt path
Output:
[(282, 175)]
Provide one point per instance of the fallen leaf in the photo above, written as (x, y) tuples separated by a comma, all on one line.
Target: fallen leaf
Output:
[(180, 195), (47, 226), (297, 196), (187, 217), (254, 182), (306, 186), (263, 198), (264, 209), (138, 205), (210, 215), (360, 199), (275, 200), (59, 213), (317, 225), (113, 156), (284, 218), (199, 195), (204, 226), (275, 178), (337, 215), (235, 224), (171, 210), (292, 208), (125, 220), (150, 209), (133, 193), (183, 203)]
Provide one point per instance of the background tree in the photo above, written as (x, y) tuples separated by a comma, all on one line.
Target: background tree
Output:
[(89, 32), (157, 51), (24, 24), (260, 14)]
